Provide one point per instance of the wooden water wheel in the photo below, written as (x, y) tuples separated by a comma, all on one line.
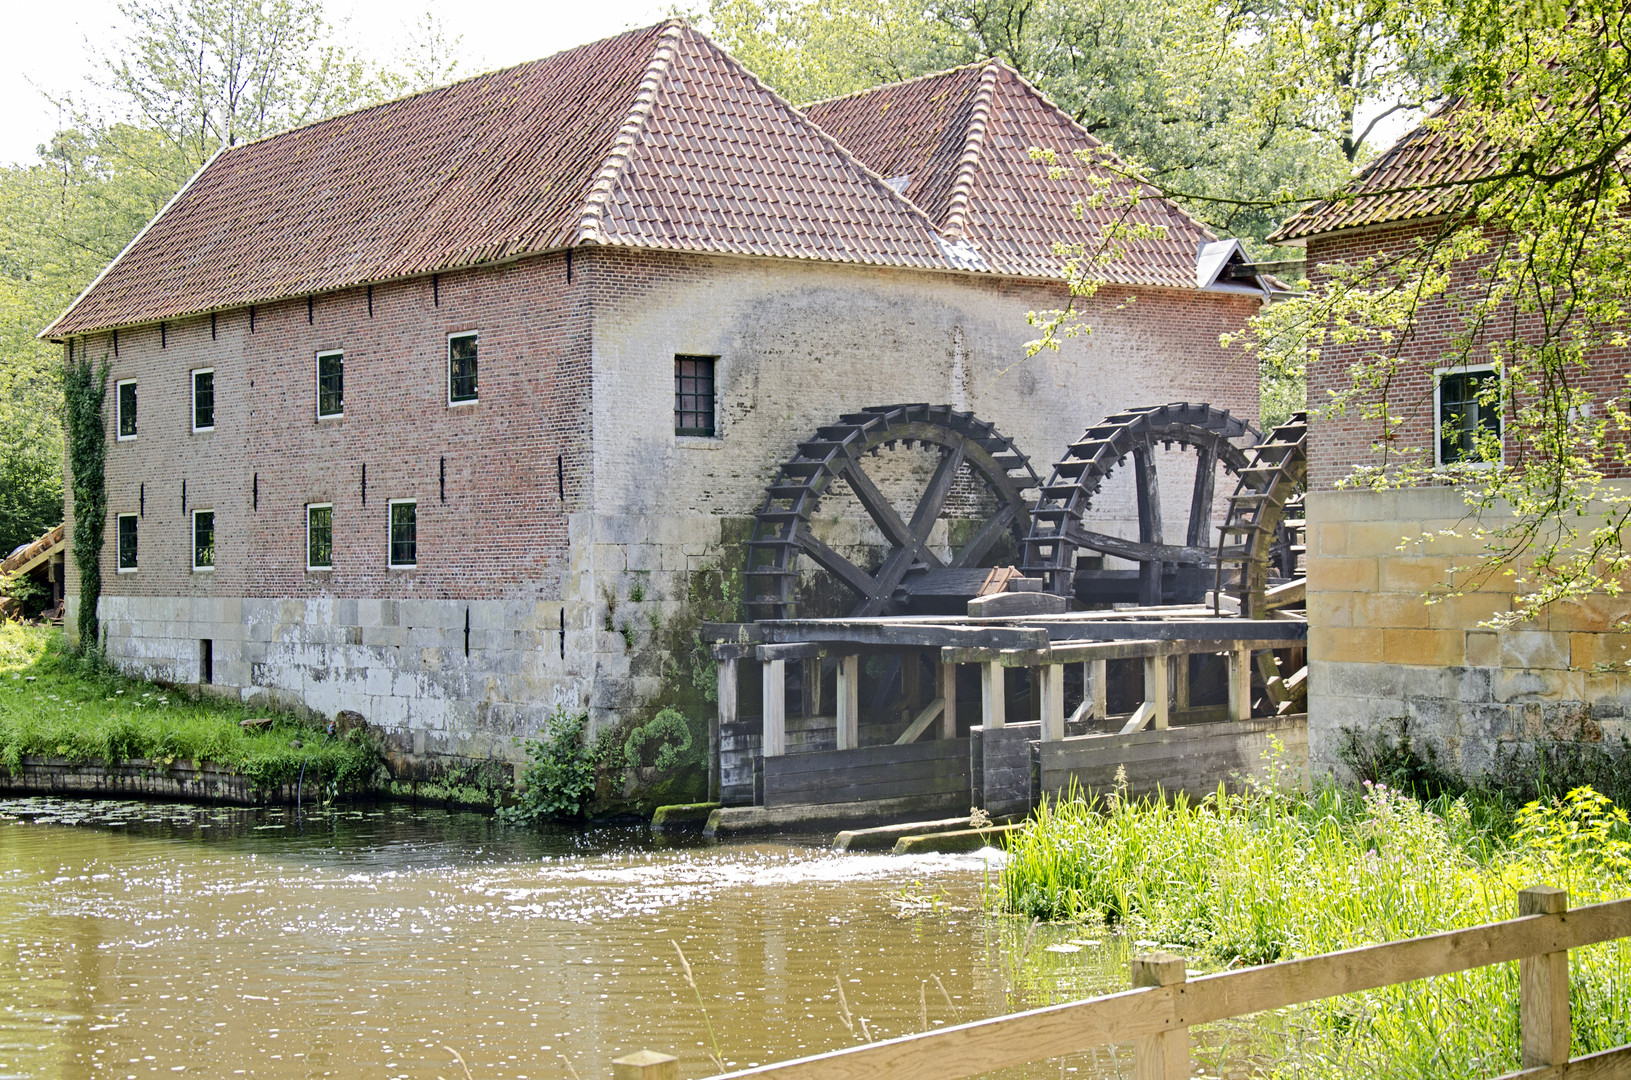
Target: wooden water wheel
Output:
[(963, 449), (1168, 571)]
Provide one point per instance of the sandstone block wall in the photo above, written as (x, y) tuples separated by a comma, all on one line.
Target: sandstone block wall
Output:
[(1378, 651)]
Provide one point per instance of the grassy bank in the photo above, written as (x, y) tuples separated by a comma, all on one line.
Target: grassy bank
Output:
[(53, 704), (1259, 877)]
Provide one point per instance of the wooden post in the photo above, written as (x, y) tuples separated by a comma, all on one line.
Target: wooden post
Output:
[(1543, 988), (1156, 670), (1149, 522), (1164, 1056), (1240, 683), (812, 686), (993, 687), (727, 715), (849, 702), (911, 679), (1101, 688), (948, 694), (1180, 685), (1052, 685), (775, 698), (646, 1065)]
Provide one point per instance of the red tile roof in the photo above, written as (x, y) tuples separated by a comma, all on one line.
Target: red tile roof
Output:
[(962, 139), (653, 138), (1391, 187)]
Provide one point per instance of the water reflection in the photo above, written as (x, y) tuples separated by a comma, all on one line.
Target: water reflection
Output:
[(141, 939)]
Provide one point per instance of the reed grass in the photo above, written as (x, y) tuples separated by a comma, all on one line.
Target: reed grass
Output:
[(59, 705), (1260, 876)]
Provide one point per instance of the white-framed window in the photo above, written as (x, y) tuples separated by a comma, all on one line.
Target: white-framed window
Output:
[(126, 526), (403, 547), (330, 384), (1466, 408), (319, 536), (203, 540), (124, 408), (461, 367), (204, 399)]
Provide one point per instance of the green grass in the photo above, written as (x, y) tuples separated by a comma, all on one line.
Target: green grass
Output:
[(1259, 877), (55, 704)]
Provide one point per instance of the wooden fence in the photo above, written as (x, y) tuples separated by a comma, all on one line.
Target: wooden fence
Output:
[(1156, 1016), (926, 769)]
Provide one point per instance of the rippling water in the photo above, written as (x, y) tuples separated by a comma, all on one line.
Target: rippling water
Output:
[(140, 940)]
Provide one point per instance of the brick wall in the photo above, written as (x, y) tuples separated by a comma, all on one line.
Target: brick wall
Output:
[(1340, 442), (467, 650), (1379, 652)]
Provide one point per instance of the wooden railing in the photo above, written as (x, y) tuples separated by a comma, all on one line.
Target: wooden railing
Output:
[(1157, 1014)]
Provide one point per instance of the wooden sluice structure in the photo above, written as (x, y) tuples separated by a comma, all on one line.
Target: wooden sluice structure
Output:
[(996, 712), (955, 683)]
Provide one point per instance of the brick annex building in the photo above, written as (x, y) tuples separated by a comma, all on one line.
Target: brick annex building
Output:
[(435, 410), (1377, 652)]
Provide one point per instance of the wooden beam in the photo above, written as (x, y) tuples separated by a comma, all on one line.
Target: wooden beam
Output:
[(727, 714), (810, 684), (1148, 487), (920, 723), (1200, 499), (775, 708), (1240, 682), (1294, 591), (849, 702), (1157, 679), (1165, 1055), (1051, 683), (1543, 988), (1100, 672), (1140, 718), (948, 694), (1136, 550), (993, 695)]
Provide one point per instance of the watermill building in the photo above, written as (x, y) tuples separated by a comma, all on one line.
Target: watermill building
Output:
[(446, 411)]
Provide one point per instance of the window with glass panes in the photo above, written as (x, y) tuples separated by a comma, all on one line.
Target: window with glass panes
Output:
[(330, 384), (694, 395), (127, 541), (203, 539), (1469, 403), (125, 403), (404, 533), (204, 400), (319, 537), (461, 368)]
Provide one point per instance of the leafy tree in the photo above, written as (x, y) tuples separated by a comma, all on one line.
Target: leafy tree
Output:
[(1530, 260)]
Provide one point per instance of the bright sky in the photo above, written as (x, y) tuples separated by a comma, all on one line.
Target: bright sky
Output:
[(54, 43)]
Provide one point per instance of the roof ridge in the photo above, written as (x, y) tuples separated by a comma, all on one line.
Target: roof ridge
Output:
[(592, 215), (836, 144), (979, 120), (899, 82)]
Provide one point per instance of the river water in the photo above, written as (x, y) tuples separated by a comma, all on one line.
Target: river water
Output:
[(141, 940)]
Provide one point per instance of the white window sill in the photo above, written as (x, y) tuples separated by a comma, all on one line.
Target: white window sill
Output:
[(462, 404), (202, 430), (203, 569), (126, 570), (700, 442), (124, 438)]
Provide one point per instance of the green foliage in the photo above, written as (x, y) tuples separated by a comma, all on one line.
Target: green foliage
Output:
[(55, 703), (559, 784), (1265, 876), (664, 742), (1529, 269), (84, 389)]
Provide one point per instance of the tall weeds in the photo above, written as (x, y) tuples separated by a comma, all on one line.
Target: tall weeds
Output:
[(1260, 876)]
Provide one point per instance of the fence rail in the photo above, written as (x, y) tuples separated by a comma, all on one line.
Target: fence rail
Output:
[(1157, 1014)]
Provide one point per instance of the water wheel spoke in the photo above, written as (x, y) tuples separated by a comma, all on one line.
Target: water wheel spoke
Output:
[(1200, 501), (878, 506), (934, 496), (886, 581), (976, 549), (840, 567)]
